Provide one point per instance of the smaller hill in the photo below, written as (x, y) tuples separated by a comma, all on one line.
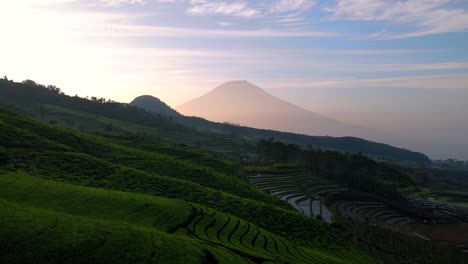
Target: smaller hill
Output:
[(154, 105)]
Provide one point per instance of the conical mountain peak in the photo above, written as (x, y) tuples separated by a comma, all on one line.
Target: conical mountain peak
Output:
[(247, 104), (238, 87)]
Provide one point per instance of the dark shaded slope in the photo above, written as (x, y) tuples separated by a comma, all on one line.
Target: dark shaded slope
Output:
[(344, 144), (154, 105)]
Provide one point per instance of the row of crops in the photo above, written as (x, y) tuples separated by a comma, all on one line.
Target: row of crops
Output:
[(259, 245), (372, 213), (442, 207), (45, 221), (302, 190)]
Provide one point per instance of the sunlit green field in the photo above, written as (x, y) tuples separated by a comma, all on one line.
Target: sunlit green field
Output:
[(73, 197)]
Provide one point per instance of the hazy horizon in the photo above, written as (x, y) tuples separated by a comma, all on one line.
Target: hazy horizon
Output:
[(392, 126), (396, 66)]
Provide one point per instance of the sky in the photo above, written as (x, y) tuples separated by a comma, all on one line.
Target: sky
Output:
[(398, 66)]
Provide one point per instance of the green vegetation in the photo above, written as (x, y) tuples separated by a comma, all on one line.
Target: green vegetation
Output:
[(142, 210), (443, 183), (49, 222), (353, 170), (45, 177), (96, 176)]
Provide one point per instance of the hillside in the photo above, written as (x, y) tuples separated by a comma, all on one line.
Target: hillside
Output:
[(355, 145), (154, 105), (147, 156), (34, 156), (84, 225)]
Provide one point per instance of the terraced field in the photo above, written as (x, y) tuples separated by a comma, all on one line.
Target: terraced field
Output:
[(261, 245), (374, 213), (304, 192), (445, 208), (91, 224), (301, 190), (76, 197), (50, 222)]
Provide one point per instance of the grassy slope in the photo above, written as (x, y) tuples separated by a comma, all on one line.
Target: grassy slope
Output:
[(158, 161), (58, 154), (48, 221), (142, 210), (40, 224)]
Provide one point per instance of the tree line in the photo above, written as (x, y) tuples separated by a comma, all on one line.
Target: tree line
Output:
[(355, 170)]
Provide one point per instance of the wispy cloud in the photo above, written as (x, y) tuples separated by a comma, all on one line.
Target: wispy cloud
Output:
[(237, 8), (120, 2), (121, 25), (438, 66), (424, 16), (285, 6), (444, 81), (246, 9), (225, 24), (122, 30)]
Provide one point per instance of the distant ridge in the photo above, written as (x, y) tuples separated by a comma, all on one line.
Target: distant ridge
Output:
[(232, 91), (47, 104)]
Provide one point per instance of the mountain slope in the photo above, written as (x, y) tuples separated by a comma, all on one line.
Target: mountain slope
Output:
[(249, 105)]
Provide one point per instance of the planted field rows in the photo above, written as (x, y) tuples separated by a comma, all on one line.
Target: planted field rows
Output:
[(303, 191), (260, 245), (38, 212), (372, 213), (439, 206)]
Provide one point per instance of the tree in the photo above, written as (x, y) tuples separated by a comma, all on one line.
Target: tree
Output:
[(30, 82), (54, 89)]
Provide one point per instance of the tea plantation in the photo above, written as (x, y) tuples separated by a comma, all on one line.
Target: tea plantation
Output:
[(73, 197)]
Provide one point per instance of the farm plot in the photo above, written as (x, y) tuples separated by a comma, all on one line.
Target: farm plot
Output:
[(372, 213), (48, 221), (302, 190), (442, 207), (258, 244)]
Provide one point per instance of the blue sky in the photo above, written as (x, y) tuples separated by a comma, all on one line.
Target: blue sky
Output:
[(308, 51)]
